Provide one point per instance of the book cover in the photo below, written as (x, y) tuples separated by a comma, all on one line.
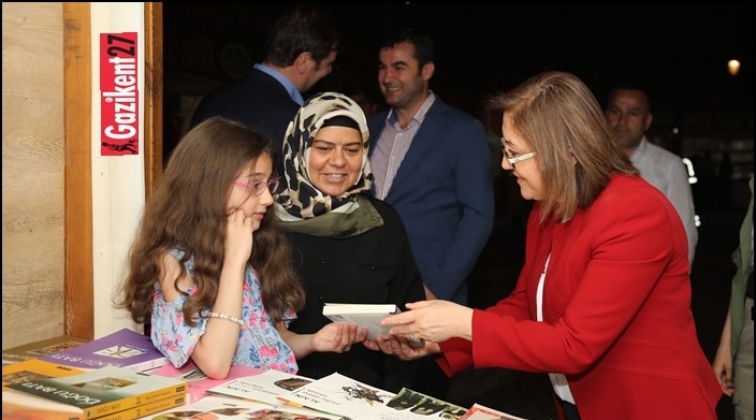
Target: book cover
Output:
[(27, 407), (337, 394), (265, 386), (365, 315), (409, 404), (216, 407), (22, 406), (34, 369), (197, 382), (147, 409), (101, 392), (481, 412), (125, 348), (40, 348), (290, 413)]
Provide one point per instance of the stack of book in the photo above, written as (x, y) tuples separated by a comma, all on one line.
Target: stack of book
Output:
[(122, 376), (125, 348), (266, 396), (107, 393), (40, 348)]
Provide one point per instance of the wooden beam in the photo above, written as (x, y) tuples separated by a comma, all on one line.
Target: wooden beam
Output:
[(77, 98), (153, 95)]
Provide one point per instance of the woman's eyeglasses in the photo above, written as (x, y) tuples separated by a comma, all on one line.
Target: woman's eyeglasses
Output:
[(518, 158), (259, 186)]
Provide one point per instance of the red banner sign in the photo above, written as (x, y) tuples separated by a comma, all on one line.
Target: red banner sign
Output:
[(119, 94)]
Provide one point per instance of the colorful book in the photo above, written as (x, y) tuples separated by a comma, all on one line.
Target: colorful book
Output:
[(216, 407), (339, 395), (125, 348), (197, 382), (481, 412), (35, 369), (409, 404), (265, 386), (40, 348), (100, 392), (26, 407)]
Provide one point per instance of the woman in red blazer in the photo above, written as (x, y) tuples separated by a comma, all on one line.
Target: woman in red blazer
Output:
[(603, 301)]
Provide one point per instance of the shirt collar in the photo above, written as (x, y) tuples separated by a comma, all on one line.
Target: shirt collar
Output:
[(641, 149), (421, 113), (292, 90)]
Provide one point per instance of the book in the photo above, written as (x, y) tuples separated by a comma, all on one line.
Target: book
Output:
[(290, 413), (409, 404), (265, 386), (211, 408), (40, 348), (197, 382), (365, 315), (124, 348), (216, 407), (481, 412), (339, 395), (35, 369), (29, 409), (99, 392), (154, 407)]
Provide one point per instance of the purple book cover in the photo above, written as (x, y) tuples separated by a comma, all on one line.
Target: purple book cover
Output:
[(125, 348)]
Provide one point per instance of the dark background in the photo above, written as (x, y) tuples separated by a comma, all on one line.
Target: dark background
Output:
[(678, 51)]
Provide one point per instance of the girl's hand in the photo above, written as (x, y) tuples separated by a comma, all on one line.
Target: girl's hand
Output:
[(338, 337), (401, 347), (239, 238)]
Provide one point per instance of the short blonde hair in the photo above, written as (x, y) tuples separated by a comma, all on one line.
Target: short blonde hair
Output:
[(559, 117)]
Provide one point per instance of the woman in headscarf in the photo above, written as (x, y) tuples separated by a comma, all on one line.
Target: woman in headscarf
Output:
[(348, 247)]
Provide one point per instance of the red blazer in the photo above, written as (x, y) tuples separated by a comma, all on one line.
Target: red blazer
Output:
[(616, 308)]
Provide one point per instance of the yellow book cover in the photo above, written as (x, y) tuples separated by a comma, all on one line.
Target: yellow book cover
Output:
[(100, 392), (40, 348), (147, 409), (25, 408), (35, 369)]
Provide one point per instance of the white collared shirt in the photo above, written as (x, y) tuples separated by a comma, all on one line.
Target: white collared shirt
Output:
[(392, 147), (558, 381)]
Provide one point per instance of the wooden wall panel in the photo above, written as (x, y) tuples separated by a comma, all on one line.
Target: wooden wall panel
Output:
[(33, 172)]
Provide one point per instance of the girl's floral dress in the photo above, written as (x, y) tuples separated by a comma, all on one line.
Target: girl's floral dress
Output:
[(260, 346)]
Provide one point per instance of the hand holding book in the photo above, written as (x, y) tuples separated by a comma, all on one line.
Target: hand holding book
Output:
[(433, 320)]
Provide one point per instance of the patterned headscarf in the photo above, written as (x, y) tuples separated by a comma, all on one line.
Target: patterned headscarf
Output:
[(300, 206)]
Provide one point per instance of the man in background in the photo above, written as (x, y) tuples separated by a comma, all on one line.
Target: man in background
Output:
[(733, 362), (432, 163), (299, 51), (629, 114)]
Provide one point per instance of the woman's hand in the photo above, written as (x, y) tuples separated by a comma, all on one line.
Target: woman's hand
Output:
[(432, 320), (402, 347), (338, 337)]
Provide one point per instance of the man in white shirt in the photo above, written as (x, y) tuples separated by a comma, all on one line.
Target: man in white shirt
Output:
[(629, 114)]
